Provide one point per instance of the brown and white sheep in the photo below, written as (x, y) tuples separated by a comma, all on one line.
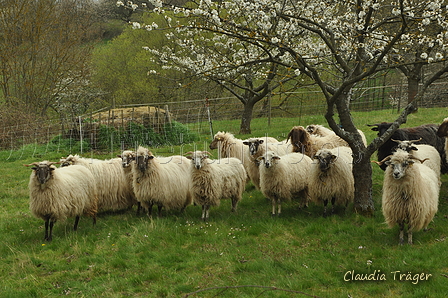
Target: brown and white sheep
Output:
[(283, 178), (214, 180), (410, 193), (58, 193), (304, 142)]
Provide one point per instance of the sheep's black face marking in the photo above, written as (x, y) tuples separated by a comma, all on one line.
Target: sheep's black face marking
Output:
[(325, 161), (253, 146), (43, 173), (142, 162)]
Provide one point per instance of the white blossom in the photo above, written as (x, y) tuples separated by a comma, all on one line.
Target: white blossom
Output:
[(424, 56)]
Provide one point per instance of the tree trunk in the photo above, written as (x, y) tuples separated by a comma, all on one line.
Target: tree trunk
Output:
[(362, 174), (246, 118)]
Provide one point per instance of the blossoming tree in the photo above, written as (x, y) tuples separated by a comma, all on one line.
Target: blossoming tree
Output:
[(337, 44)]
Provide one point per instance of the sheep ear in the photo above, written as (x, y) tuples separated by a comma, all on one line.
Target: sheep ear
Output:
[(260, 141), (246, 143), (413, 148), (411, 163), (119, 155), (387, 162), (333, 157), (275, 157), (260, 158), (151, 157)]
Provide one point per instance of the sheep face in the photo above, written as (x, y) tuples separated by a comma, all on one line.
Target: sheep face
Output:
[(399, 167), (126, 158), (312, 128), (198, 159), (143, 161), (269, 159), (325, 159), (68, 161), (298, 136), (219, 137), (42, 171), (253, 145)]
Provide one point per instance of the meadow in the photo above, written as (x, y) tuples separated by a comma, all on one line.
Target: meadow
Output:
[(243, 254)]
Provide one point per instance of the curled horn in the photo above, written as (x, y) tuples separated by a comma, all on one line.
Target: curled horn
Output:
[(420, 160), (380, 163)]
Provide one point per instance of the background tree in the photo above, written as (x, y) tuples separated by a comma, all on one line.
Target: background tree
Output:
[(337, 44), (42, 44)]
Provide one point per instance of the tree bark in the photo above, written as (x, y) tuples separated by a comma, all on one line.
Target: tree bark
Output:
[(362, 174), (246, 117)]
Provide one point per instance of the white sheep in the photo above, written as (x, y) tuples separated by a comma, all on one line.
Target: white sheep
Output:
[(410, 193), (229, 146), (283, 178), (128, 161), (258, 147), (164, 181), (114, 191), (331, 177), (213, 180), (58, 193), (322, 131), (426, 153)]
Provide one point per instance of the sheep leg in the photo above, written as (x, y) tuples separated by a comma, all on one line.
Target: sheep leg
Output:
[(279, 207), (149, 210), (159, 208), (333, 200), (75, 227), (325, 208), (205, 212), (235, 201), (273, 207), (409, 235), (94, 220), (401, 237), (49, 226), (139, 208)]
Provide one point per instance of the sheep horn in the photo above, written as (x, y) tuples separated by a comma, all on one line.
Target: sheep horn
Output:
[(32, 164), (380, 163), (420, 160)]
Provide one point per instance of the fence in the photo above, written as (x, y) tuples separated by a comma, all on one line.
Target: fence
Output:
[(157, 117)]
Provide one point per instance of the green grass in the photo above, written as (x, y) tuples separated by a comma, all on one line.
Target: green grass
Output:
[(129, 255)]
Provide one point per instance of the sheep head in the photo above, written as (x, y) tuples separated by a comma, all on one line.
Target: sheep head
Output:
[(42, 170), (300, 139), (442, 131), (219, 137), (143, 157), (380, 127), (407, 145), (253, 144), (325, 158), (127, 157), (69, 160), (269, 159), (198, 158)]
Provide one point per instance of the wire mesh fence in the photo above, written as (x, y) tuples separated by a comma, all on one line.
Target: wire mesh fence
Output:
[(156, 124)]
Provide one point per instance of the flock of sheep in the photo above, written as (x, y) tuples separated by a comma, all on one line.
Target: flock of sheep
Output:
[(313, 164)]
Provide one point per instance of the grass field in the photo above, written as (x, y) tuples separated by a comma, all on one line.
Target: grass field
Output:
[(247, 254)]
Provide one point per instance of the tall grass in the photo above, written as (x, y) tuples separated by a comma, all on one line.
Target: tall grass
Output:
[(233, 255)]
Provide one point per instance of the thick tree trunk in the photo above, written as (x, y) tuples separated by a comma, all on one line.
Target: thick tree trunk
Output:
[(246, 118), (362, 174)]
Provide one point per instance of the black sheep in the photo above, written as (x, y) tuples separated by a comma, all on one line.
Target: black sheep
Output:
[(427, 133)]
